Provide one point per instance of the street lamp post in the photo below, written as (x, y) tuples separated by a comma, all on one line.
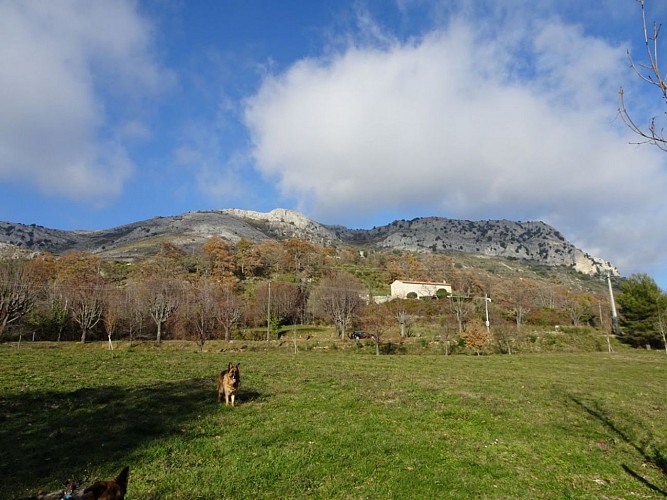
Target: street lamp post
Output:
[(486, 308)]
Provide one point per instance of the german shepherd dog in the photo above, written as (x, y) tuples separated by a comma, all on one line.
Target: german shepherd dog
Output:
[(228, 383), (101, 490)]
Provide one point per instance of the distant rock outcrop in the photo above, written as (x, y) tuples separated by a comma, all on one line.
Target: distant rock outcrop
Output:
[(534, 241), (283, 223)]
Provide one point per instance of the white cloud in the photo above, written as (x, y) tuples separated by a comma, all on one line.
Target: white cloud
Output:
[(61, 65), (521, 125), (135, 130)]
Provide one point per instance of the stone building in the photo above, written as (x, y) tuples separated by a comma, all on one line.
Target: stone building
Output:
[(423, 289)]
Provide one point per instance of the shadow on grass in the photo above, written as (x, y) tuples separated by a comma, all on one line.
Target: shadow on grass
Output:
[(53, 435), (392, 348), (248, 395), (655, 457)]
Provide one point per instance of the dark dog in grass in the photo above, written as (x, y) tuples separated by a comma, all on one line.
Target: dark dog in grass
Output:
[(101, 490), (228, 383)]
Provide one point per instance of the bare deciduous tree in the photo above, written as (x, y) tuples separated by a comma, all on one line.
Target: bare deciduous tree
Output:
[(287, 301), (114, 310), (520, 297), (661, 324), (337, 297), (58, 308), (504, 336), (229, 311), (87, 306), (462, 307), (375, 321), (200, 307), (17, 294), (135, 309), (404, 322), (650, 73), (447, 332), (163, 300), (577, 306)]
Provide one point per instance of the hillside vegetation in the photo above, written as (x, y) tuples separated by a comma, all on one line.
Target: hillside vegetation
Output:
[(256, 291)]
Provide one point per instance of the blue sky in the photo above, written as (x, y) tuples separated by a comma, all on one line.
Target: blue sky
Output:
[(352, 112)]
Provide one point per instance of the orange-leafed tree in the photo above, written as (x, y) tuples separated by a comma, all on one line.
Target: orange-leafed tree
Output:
[(475, 336), (220, 256), (247, 259), (300, 256)]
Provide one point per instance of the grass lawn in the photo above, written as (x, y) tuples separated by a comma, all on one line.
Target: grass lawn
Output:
[(334, 424)]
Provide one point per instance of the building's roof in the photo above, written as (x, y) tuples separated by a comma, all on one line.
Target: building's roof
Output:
[(422, 282)]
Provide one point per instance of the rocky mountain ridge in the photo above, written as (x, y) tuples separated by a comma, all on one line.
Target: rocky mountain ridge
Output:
[(534, 241)]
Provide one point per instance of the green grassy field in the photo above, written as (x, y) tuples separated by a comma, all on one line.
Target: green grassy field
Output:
[(334, 424)]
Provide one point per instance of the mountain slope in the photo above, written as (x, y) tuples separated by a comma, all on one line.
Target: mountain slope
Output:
[(534, 241)]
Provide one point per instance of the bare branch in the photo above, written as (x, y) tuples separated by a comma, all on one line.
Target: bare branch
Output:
[(651, 74)]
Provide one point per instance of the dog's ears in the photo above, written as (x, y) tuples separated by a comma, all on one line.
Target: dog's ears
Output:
[(122, 479), (238, 364), (108, 489)]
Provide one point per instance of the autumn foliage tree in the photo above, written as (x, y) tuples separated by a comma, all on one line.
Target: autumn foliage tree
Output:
[(220, 257), (475, 336), (247, 258), (228, 285)]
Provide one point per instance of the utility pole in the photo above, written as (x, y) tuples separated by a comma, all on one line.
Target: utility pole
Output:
[(602, 322), (486, 307), (268, 317), (614, 316)]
